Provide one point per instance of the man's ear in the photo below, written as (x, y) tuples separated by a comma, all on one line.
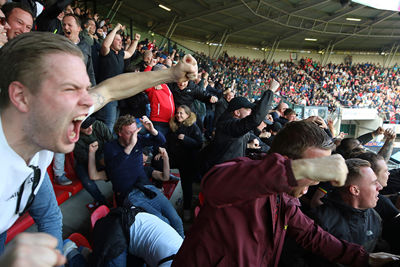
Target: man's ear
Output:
[(18, 96), (354, 190), (236, 113)]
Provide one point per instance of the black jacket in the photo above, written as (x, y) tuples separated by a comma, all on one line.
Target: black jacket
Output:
[(184, 151), (362, 227), (189, 94), (232, 134)]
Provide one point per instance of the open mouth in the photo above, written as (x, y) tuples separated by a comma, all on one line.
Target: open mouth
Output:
[(73, 131)]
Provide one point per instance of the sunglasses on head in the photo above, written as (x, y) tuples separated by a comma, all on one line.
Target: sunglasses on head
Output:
[(3, 21)]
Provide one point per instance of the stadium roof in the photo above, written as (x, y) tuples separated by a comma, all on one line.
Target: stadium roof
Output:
[(263, 23)]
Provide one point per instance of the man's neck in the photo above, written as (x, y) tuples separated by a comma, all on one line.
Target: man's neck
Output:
[(15, 135)]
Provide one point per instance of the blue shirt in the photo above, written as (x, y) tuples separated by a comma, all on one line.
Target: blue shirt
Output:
[(124, 170)]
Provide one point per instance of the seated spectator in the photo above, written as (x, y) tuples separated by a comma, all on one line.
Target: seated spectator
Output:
[(145, 194), (91, 130), (183, 144), (124, 168)]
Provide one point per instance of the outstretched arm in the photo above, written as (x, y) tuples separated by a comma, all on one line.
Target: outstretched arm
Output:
[(129, 84)]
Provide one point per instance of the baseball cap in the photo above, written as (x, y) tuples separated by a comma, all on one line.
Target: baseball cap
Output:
[(238, 103)]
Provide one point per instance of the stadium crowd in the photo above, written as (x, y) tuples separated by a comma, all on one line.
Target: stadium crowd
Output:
[(130, 111)]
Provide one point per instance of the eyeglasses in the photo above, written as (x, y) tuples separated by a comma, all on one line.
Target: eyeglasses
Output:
[(35, 182), (3, 21)]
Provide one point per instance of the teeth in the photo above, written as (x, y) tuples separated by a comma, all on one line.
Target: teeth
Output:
[(72, 135), (80, 118)]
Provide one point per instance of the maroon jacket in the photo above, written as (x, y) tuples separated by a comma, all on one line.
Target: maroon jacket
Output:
[(247, 214)]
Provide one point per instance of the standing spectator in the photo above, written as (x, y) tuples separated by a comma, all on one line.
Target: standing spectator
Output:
[(183, 143), (112, 57), (4, 27), (19, 18)]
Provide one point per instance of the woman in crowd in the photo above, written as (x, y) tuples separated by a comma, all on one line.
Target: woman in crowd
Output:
[(183, 144)]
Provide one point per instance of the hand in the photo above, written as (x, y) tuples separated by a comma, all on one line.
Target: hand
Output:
[(123, 28), (332, 168), (136, 37), (181, 136), (274, 85), (100, 31), (93, 147), (133, 140), (378, 131), (389, 134), (185, 70), (163, 154), (265, 134), (261, 126), (153, 62), (118, 26), (148, 125), (381, 258), (213, 99), (317, 120), (32, 249)]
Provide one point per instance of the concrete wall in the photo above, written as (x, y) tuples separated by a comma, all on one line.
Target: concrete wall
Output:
[(337, 57)]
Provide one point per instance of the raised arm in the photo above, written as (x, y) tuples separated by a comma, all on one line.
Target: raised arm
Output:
[(129, 84), (105, 47), (93, 173), (164, 175), (387, 148), (131, 50)]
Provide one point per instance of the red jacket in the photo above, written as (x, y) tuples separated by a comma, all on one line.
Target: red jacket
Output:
[(247, 214), (162, 103)]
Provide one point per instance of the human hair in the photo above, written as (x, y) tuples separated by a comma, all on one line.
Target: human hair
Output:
[(187, 110), (23, 59), (354, 166), (293, 140), (123, 121), (85, 21), (347, 146), (371, 157), (77, 19), (9, 7), (289, 111)]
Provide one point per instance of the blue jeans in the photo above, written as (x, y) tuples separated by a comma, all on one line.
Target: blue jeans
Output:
[(158, 206), (110, 114), (46, 213), (3, 238), (58, 164), (89, 185)]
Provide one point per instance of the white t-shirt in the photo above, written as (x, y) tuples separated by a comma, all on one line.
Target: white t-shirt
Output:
[(13, 173), (153, 239)]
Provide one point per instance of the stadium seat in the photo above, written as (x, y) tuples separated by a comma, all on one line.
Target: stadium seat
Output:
[(76, 185), (79, 240), (99, 213), (20, 225)]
